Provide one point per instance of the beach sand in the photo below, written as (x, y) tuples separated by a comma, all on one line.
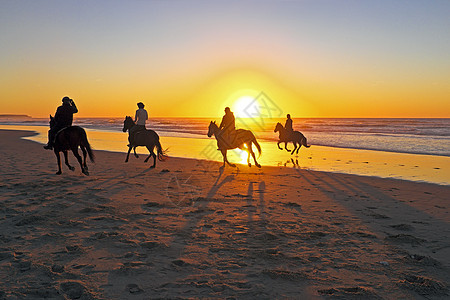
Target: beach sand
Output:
[(187, 230)]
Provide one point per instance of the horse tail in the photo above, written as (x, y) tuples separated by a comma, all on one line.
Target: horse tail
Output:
[(257, 146), (162, 156), (304, 142), (86, 144)]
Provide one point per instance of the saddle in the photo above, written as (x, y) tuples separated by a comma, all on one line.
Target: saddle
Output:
[(289, 135), (58, 132), (228, 138)]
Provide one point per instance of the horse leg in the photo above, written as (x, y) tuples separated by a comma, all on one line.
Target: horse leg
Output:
[(66, 160), (150, 151), (225, 160), (83, 149), (295, 147), (128, 154), (135, 154), (248, 158), (285, 146), (154, 160), (278, 144), (77, 155), (299, 146), (254, 156), (58, 161), (151, 154)]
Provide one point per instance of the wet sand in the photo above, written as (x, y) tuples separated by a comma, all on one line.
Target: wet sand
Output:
[(414, 167), (187, 230)]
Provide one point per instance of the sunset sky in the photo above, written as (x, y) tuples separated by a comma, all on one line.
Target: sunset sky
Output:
[(192, 58)]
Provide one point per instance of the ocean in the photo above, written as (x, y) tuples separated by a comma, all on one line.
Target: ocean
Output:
[(389, 139)]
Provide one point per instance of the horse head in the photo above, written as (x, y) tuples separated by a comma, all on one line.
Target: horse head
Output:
[(212, 129), (127, 123), (52, 122), (278, 127)]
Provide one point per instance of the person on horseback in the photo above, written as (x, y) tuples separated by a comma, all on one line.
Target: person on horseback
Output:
[(140, 118), (288, 126), (228, 126), (63, 118)]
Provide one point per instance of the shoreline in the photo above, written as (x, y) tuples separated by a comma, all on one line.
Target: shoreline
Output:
[(405, 166), (188, 230), (177, 133)]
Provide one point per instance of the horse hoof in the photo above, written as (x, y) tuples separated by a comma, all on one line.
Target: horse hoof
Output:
[(233, 165), (258, 165), (249, 164), (152, 167), (86, 173), (72, 169), (58, 173)]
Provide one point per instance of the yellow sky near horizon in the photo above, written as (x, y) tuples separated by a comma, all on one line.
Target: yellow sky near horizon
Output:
[(193, 59)]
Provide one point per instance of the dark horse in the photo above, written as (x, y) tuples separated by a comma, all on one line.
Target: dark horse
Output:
[(70, 138), (147, 138), (296, 138), (244, 140)]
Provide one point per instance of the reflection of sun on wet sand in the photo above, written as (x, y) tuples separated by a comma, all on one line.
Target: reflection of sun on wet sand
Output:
[(425, 168), (186, 230)]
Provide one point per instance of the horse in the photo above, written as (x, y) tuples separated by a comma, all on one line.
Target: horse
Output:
[(70, 138), (147, 138), (243, 140), (295, 137)]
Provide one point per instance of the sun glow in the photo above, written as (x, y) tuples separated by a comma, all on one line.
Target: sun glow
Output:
[(245, 107), (243, 156)]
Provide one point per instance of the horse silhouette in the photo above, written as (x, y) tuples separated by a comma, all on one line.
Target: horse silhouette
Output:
[(70, 138), (296, 137), (147, 138), (243, 140)]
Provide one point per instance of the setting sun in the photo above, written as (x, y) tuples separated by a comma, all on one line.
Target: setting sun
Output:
[(246, 107)]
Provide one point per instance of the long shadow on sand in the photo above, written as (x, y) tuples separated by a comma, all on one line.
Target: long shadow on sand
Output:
[(390, 224)]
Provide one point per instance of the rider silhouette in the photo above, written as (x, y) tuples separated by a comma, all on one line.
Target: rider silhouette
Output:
[(228, 126), (288, 126), (140, 118), (63, 118)]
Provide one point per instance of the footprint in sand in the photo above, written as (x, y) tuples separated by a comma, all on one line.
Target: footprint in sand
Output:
[(134, 289), (73, 289), (403, 227), (424, 286), (405, 239)]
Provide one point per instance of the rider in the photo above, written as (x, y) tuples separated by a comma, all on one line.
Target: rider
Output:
[(63, 118), (140, 118), (228, 126), (288, 126)]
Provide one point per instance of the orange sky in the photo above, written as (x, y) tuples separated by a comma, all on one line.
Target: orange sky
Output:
[(192, 60)]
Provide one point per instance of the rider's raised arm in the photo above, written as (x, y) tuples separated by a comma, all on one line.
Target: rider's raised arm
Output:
[(74, 107)]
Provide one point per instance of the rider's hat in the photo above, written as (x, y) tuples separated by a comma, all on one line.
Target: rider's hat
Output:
[(140, 104), (65, 99)]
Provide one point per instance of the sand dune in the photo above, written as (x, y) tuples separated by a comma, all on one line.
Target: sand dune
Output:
[(187, 230)]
